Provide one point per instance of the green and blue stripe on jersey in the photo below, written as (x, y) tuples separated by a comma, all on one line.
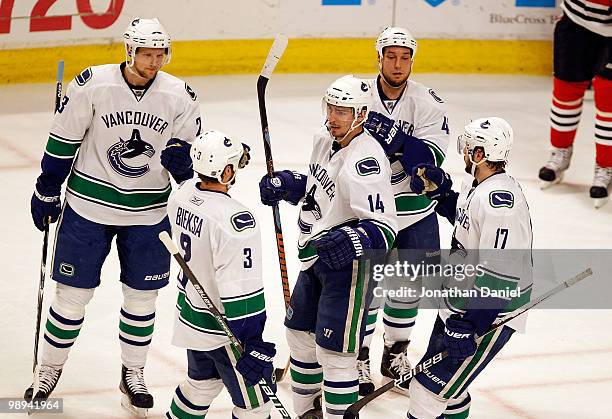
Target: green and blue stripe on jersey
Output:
[(245, 314), (105, 193)]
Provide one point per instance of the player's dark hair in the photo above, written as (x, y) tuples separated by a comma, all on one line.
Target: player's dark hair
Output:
[(497, 166), (207, 179)]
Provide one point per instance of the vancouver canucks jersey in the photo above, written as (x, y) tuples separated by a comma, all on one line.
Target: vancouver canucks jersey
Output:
[(119, 135), (344, 186), (220, 241), (493, 230), (420, 112)]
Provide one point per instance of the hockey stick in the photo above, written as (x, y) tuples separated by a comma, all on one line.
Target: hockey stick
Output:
[(352, 412), (43, 259), (275, 54), (210, 306)]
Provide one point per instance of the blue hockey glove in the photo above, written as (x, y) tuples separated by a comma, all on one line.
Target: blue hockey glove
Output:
[(340, 247), (256, 362), (385, 131), (459, 339), (45, 203), (285, 185), (438, 178), (176, 159)]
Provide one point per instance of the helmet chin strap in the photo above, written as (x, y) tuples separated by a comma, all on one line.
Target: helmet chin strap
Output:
[(351, 129), (231, 180), (475, 165)]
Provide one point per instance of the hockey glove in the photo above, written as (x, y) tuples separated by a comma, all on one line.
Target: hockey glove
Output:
[(459, 339), (256, 362), (440, 181), (285, 185), (385, 131), (340, 247), (176, 159), (46, 204)]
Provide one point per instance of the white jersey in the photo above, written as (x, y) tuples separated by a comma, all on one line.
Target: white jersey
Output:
[(117, 177), (420, 112), (220, 241), (491, 216), (594, 15), (345, 186)]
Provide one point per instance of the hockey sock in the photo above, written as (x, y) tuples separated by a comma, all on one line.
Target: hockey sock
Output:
[(64, 323), (192, 398), (565, 111), (306, 372), (458, 408), (341, 381), (603, 121), (137, 318), (398, 321), (370, 326)]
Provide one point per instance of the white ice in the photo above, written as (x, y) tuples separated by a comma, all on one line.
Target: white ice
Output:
[(561, 368)]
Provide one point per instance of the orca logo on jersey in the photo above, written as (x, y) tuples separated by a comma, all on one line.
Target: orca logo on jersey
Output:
[(311, 204), (367, 166), (364, 87), (485, 125), (499, 199), (242, 221), (129, 149)]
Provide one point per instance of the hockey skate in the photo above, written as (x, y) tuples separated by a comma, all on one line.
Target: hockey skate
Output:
[(602, 180), (558, 162), (395, 363), (316, 412), (45, 381), (366, 386), (136, 398)]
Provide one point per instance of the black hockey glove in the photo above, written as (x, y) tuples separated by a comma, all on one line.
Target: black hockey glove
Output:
[(176, 159), (256, 362), (45, 204), (459, 339)]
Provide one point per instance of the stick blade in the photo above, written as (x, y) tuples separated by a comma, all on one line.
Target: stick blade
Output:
[(60, 71), (275, 54), (582, 275)]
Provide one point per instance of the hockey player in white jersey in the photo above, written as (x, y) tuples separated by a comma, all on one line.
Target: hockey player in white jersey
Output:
[(410, 122), (492, 232), (120, 131), (221, 243), (346, 209)]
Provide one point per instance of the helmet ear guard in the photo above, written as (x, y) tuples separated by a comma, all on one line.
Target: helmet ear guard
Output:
[(146, 33)]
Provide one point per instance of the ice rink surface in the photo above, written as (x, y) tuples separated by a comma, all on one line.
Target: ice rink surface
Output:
[(561, 368)]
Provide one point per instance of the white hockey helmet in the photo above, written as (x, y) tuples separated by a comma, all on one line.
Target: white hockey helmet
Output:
[(146, 33), (493, 134), (212, 151), (351, 92), (396, 37)]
